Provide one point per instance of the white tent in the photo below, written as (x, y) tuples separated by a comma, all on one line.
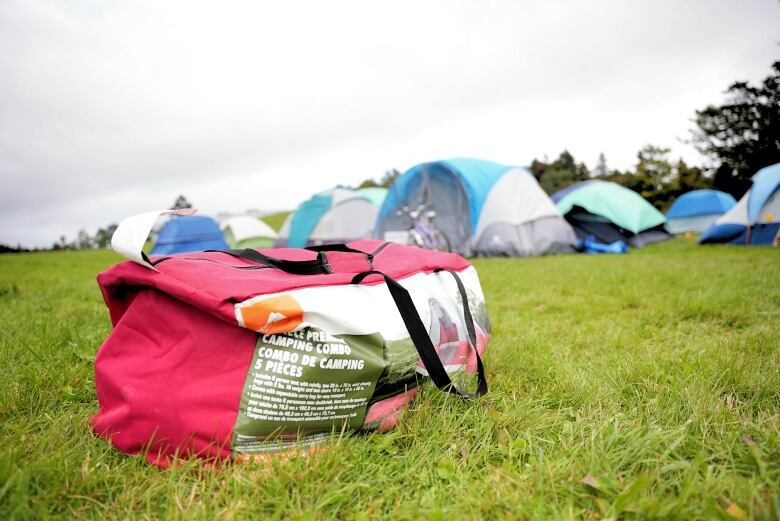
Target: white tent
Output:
[(244, 231), (519, 218)]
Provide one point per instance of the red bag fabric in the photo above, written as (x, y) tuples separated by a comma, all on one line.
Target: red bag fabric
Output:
[(220, 355)]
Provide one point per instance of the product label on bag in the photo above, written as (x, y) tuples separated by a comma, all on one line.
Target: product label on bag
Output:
[(303, 384)]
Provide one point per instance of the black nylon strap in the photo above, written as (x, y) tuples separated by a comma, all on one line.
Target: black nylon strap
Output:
[(421, 339), (482, 385), (318, 266), (343, 248), (336, 247)]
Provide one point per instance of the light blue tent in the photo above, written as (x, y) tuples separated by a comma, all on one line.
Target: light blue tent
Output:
[(336, 216), (755, 219), (483, 208), (189, 233), (695, 211)]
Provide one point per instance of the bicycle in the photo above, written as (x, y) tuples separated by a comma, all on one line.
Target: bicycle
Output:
[(422, 230)]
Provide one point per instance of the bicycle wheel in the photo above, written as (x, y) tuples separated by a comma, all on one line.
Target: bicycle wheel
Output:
[(415, 239), (441, 241)]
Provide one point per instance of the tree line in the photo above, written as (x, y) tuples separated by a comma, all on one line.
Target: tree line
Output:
[(656, 177)]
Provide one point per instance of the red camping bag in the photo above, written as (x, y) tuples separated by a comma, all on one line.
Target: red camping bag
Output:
[(242, 353)]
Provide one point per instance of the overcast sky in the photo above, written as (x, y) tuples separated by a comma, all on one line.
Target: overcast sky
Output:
[(114, 108)]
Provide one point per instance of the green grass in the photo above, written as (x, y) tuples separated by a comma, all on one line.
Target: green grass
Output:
[(638, 386)]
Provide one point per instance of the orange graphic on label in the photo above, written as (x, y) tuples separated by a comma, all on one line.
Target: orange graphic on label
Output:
[(273, 315)]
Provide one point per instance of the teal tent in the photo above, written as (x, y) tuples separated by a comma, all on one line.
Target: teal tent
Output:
[(610, 212), (335, 216)]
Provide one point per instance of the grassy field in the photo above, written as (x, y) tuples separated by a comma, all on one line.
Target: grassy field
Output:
[(639, 386)]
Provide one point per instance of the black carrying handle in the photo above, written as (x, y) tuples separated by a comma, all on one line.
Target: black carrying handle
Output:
[(421, 340), (318, 266), (336, 247), (342, 248)]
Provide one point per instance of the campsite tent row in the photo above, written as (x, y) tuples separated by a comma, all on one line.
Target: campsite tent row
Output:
[(338, 215), (489, 209), (484, 208), (183, 234)]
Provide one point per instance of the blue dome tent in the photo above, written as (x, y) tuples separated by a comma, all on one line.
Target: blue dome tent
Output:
[(695, 211), (189, 233), (483, 208), (755, 219)]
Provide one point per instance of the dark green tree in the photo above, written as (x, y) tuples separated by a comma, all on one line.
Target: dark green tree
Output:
[(538, 167), (653, 169), (181, 203), (84, 240), (659, 180), (385, 181), (687, 178), (742, 135), (63, 244), (389, 177), (562, 172), (627, 179), (684, 179), (368, 183), (601, 169), (103, 236), (565, 161)]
